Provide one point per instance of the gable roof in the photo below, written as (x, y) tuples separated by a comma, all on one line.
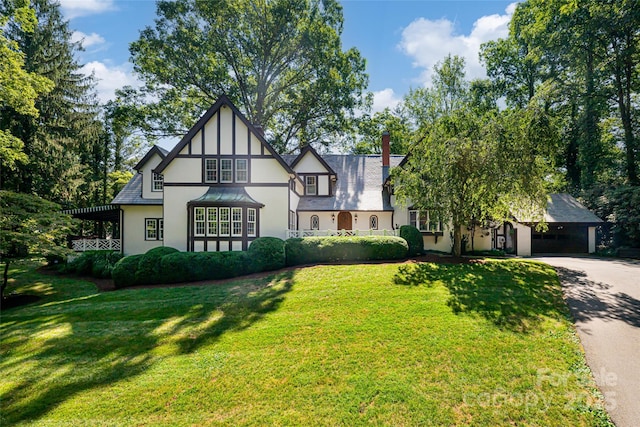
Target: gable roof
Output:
[(310, 149), (562, 207), (358, 186), (131, 194), (154, 150), (222, 101)]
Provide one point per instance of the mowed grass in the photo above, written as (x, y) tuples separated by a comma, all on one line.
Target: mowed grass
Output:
[(396, 344)]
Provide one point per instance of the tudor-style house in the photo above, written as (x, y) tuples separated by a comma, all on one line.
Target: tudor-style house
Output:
[(223, 185)]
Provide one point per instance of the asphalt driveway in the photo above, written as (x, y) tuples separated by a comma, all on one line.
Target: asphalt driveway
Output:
[(604, 298)]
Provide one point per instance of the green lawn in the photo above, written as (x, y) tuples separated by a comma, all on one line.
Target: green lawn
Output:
[(395, 344)]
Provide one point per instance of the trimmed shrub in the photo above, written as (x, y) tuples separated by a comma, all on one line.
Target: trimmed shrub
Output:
[(124, 272), (266, 254), (98, 264), (414, 239), (149, 270), (194, 266), (310, 250)]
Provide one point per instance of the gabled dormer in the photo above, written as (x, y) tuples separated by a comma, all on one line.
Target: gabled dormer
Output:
[(314, 172), (152, 182)]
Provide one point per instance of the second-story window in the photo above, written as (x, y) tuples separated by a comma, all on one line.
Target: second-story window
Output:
[(226, 170), (211, 170), (311, 185), (158, 182), (242, 173)]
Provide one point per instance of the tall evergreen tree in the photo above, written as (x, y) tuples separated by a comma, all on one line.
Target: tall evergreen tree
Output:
[(59, 143)]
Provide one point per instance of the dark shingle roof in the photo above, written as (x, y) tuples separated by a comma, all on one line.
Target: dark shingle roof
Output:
[(562, 207), (131, 194), (358, 186)]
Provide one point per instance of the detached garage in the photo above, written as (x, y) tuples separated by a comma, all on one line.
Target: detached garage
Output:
[(571, 228)]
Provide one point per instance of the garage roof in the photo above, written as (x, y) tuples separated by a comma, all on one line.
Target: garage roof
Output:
[(564, 208)]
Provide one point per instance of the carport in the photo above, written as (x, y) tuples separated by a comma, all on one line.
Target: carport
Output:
[(571, 228)]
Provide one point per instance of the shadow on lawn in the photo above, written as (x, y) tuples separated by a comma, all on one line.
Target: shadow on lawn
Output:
[(89, 349), (513, 295)]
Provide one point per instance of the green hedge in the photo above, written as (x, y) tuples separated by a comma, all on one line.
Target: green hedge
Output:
[(194, 266), (149, 270), (124, 272), (414, 239), (310, 250), (97, 264), (267, 253)]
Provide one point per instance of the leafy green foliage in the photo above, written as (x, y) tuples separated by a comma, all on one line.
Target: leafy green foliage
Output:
[(30, 225), (124, 272), (271, 58), (195, 266), (149, 270), (267, 253), (414, 239), (309, 250), (98, 264), (472, 164)]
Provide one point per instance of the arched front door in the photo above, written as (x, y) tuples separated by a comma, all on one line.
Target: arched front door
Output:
[(344, 221)]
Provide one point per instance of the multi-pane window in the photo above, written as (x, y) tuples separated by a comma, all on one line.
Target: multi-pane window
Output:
[(199, 223), (311, 185), (242, 173), (153, 229), (315, 222), (251, 222), (223, 221), (373, 222), (157, 182), (212, 221), (292, 220), (421, 220), (211, 170), (236, 222), (226, 170)]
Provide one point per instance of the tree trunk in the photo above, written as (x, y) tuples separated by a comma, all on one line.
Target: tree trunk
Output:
[(457, 240), (5, 278)]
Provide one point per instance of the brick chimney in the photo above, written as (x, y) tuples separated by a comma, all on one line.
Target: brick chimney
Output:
[(386, 158)]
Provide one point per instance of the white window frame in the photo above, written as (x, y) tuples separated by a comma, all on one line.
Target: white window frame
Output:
[(315, 222), (151, 229), (373, 222), (199, 222), (252, 216), (308, 185), (236, 222), (423, 223), (224, 222), (157, 182), (244, 170), (212, 221), (292, 220), (160, 229), (224, 171), (211, 167)]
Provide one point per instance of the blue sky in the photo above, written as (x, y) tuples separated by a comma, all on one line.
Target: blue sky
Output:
[(401, 40)]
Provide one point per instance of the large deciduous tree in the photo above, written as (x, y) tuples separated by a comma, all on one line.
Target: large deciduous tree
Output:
[(281, 61), (62, 141), (472, 163), (19, 87), (30, 225)]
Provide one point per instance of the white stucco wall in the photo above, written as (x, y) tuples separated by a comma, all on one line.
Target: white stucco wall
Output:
[(274, 216), (266, 171), (175, 210), (524, 239), (183, 170), (592, 240), (147, 178), (310, 164), (133, 228)]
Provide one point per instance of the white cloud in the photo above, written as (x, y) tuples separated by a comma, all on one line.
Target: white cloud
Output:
[(109, 78), (429, 41), (75, 8), (87, 40), (385, 98)]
